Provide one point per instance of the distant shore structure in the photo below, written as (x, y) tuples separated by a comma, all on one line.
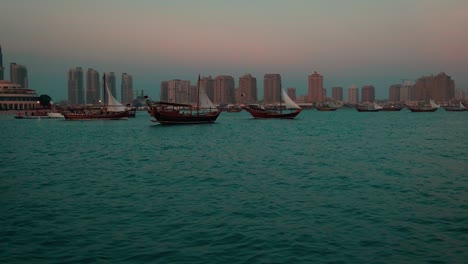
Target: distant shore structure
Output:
[(15, 97)]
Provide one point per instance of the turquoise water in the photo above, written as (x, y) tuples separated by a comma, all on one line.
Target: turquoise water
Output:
[(338, 187)]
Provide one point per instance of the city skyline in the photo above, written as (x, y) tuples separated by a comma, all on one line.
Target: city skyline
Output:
[(349, 43)]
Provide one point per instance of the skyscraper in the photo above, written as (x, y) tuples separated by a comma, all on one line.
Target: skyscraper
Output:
[(292, 93), (178, 91), (368, 93), (224, 93), (127, 88), (164, 92), (1, 64), (110, 82), (337, 93), (93, 87), (315, 88), (19, 74), (440, 88), (394, 93), (75, 86), (353, 95), (207, 83), (406, 91), (247, 89), (271, 88)]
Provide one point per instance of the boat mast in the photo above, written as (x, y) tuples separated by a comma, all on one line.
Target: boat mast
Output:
[(198, 93), (104, 89), (281, 98)]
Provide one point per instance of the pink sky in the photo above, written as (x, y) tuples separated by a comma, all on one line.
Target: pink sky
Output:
[(349, 42)]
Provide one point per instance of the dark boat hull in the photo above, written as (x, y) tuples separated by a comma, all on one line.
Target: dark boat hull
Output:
[(97, 116), (327, 109), (177, 118), (367, 110), (261, 114), (417, 110), (391, 108)]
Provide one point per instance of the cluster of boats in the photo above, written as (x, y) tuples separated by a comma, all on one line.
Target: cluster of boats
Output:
[(206, 112)]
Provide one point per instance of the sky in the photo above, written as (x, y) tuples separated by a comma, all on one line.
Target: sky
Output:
[(357, 42)]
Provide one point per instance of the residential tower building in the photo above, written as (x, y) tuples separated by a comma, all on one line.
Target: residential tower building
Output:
[(315, 88), (247, 89), (93, 87), (75, 86), (127, 89), (19, 74), (272, 88), (224, 87)]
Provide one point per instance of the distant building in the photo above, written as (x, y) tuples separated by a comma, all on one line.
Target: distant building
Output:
[(224, 90), (271, 88), (127, 88), (19, 74), (247, 89), (459, 94), (292, 93), (110, 82), (394, 93), (315, 88), (15, 97), (440, 88), (179, 91), (75, 86), (337, 93), (1, 64), (353, 95), (207, 83), (367, 93), (164, 91), (93, 87), (406, 91)]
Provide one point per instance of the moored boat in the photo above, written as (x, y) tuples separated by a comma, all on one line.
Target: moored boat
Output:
[(374, 107), (113, 111), (432, 107), (233, 108), (95, 115), (289, 111), (327, 107), (391, 107), (455, 108), (168, 113)]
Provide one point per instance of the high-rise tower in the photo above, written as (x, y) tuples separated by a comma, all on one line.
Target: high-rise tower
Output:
[(164, 92), (367, 93), (93, 87), (353, 95), (247, 89), (337, 93), (315, 90), (75, 86), (19, 74), (127, 88), (271, 88), (224, 90), (207, 83)]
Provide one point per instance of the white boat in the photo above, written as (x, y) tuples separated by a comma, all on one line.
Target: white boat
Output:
[(55, 115)]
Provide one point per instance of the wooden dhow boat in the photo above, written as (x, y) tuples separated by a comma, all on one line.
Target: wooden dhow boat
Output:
[(114, 110), (168, 113), (289, 111)]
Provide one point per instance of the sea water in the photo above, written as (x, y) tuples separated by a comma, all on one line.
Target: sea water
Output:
[(338, 187)]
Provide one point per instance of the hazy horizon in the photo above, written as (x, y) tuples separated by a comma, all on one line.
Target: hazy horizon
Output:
[(348, 42)]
